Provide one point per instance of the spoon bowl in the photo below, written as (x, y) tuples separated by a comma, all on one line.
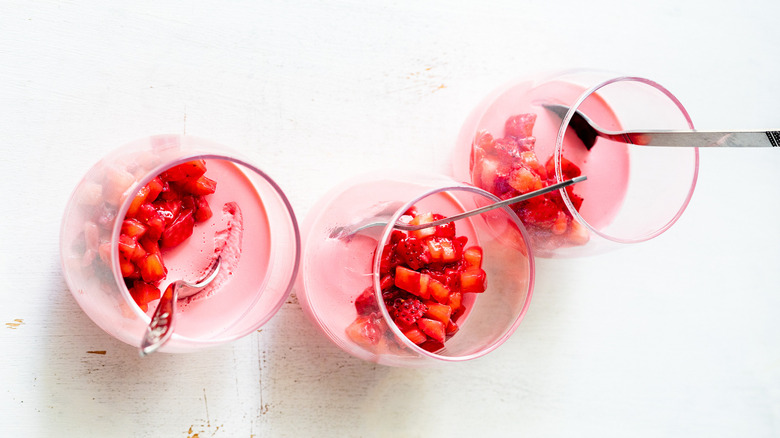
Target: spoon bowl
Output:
[(161, 326)]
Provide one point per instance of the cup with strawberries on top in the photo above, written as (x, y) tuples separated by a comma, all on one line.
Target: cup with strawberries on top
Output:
[(433, 295), (519, 139), (163, 209)]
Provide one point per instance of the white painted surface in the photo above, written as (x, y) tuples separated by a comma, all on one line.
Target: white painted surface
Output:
[(676, 337)]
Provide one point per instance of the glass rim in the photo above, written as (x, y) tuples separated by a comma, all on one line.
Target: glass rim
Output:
[(558, 153), (151, 174), (385, 236)]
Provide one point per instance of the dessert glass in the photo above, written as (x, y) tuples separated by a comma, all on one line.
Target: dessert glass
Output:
[(337, 266), (258, 285), (632, 194)]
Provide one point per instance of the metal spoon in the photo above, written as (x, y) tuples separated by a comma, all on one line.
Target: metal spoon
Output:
[(588, 131), (161, 327), (348, 231)]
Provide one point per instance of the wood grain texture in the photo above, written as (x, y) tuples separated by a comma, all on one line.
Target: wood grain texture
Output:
[(679, 336)]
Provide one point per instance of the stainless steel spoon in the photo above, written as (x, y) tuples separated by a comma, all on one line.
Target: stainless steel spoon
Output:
[(161, 327), (349, 230), (588, 131)]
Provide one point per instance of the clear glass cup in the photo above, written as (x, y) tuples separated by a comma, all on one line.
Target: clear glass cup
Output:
[(632, 194), (264, 245), (343, 282)]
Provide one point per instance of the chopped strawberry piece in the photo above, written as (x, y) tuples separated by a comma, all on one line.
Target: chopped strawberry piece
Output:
[(568, 169), (143, 293), (365, 331), (137, 201), (412, 281), (420, 219), (438, 291), (473, 257), (178, 231), (452, 328), (525, 180), (185, 171), (406, 312), (413, 252), (200, 187), (455, 301), (152, 268), (133, 228), (432, 328), (202, 209), (128, 268), (473, 280), (130, 248), (365, 303), (439, 312), (155, 186), (415, 335), (520, 126)]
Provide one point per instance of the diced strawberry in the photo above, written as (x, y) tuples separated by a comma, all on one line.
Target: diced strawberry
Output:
[(452, 328), (524, 180), (561, 223), (130, 248), (412, 281), (202, 209), (473, 257), (200, 187), (137, 201), (520, 126), (155, 186), (576, 200), (434, 329), (447, 230), (439, 312), (128, 268), (190, 170), (168, 209), (406, 312), (531, 161), (143, 293), (540, 211), (386, 282), (150, 245), (413, 252), (365, 331), (178, 231), (473, 280), (455, 301), (431, 345), (415, 335), (365, 303), (438, 291), (420, 219), (104, 251), (133, 228), (568, 169), (507, 148), (149, 216), (397, 236), (152, 268)]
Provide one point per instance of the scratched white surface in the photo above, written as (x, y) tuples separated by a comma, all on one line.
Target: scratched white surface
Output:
[(676, 337)]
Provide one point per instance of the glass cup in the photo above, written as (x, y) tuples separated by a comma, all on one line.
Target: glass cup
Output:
[(247, 219), (359, 288), (511, 144)]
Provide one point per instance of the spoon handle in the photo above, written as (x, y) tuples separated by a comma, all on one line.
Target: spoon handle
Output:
[(161, 327), (493, 206), (739, 139)]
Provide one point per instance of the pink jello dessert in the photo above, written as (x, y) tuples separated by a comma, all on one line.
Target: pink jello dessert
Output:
[(202, 220), (513, 152), (162, 209)]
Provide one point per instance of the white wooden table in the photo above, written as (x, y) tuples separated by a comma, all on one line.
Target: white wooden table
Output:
[(679, 336)]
